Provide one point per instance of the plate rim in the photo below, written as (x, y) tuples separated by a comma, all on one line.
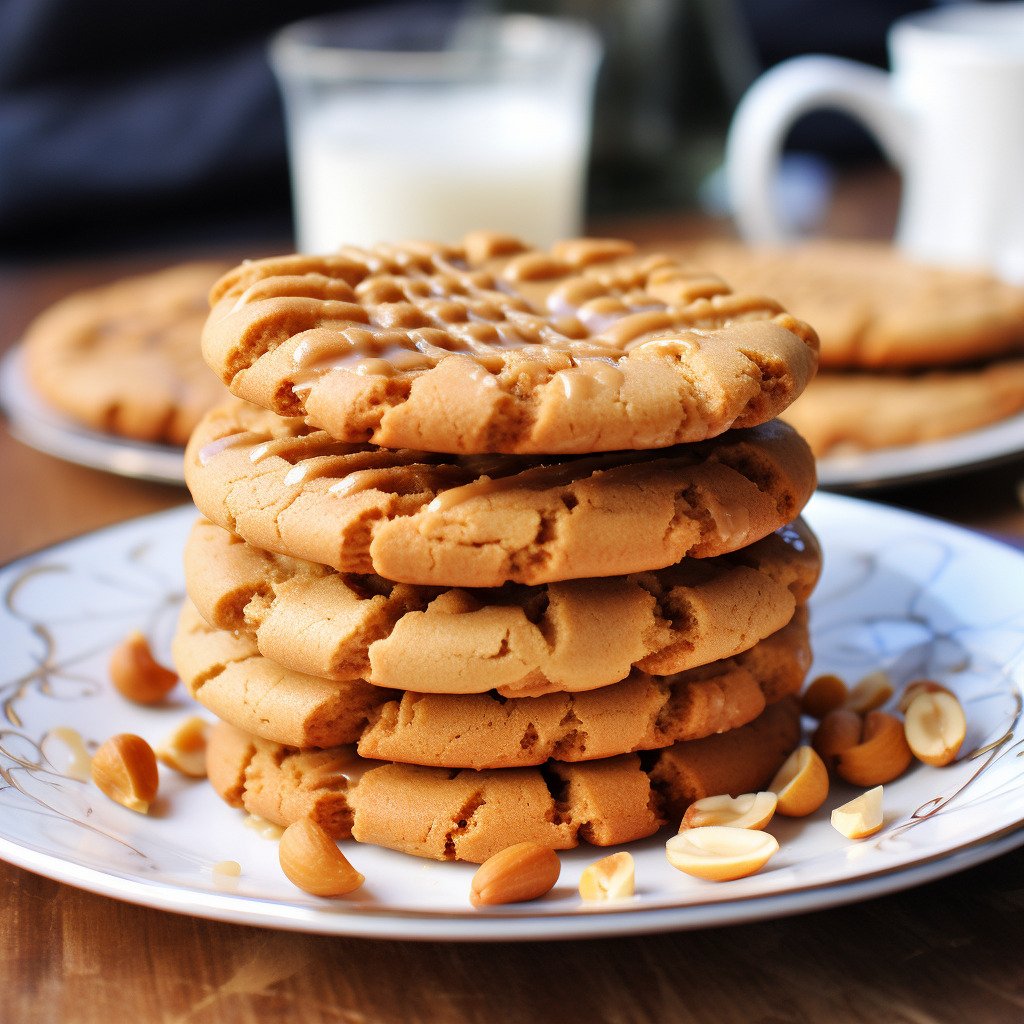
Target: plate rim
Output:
[(873, 470), (431, 926), (35, 423), (388, 925)]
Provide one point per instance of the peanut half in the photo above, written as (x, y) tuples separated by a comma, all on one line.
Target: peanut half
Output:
[(136, 674), (311, 860), (881, 755), (516, 874), (801, 784), (824, 694), (750, 810), (917, 687), (861, 817), (837, 731), (125, 770), (935, 727), (870, 693), (719, 853), (610, 878), (185, 749)]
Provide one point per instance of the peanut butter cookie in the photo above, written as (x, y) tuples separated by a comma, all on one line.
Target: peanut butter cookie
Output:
[(125, 358), (438, 520), (518, 640), (490, 347), (872, 307), (470, 815), (226, 674), (856, 412)]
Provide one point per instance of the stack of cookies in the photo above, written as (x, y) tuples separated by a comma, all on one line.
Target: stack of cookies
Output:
[(499, 544)]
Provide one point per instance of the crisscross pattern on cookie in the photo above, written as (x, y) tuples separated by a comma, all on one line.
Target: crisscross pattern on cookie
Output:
[(491, 347)]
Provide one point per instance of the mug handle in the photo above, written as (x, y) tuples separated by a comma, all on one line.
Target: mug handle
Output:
[(768, 110)]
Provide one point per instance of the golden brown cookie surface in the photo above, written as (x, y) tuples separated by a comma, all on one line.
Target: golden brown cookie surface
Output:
[(874, 308), (852, 412), (490, 347), (226, 674), (470, 815), (575, 635), (439, 520), (641, 713), (125, 358)]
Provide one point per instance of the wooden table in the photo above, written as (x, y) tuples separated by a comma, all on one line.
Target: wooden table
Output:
[(948, 951)]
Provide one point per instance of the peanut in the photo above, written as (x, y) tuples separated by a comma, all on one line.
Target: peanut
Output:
[(136, 674), (838, 730), (718, 853), (824, 694), (516, 874), (610, 878), (125, 770), (185, 749), (801, 784), (751, 810), (861, 817), (312, 861), (935, 727), (881, 755)]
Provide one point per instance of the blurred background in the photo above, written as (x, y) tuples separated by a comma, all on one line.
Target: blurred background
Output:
[(142, 126)]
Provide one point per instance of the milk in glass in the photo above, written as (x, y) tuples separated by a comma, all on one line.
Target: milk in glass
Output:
[(373, 165)]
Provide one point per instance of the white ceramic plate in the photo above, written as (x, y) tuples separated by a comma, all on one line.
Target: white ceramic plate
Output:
[(38, 425), (909, 594), (889, 467)]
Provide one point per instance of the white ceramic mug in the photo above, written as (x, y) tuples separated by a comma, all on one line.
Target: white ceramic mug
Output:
[(950, 116)]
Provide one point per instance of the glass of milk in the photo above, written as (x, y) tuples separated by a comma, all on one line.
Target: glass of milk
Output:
[(406, 124)]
